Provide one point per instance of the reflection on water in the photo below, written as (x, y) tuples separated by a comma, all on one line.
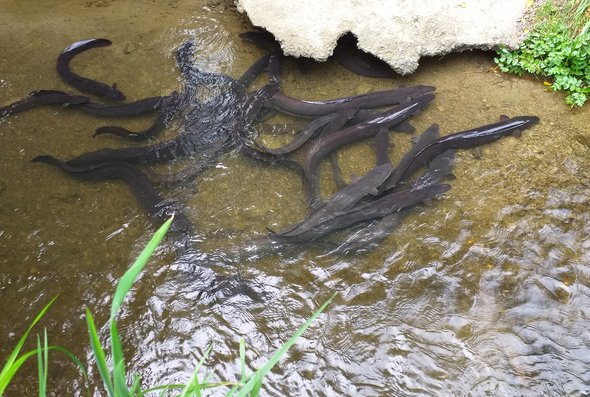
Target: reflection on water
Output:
[(484, 292)]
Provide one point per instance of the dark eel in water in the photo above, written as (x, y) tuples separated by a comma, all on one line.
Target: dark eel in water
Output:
[(353, 134), (384, 206), (369, 184), (382, 147), (237, 111), (304, 135), (347, 110), (303, 108), (460, 140), (130, 109), (142, 188), (343, 200), (85, 84), (138, 136), (439, 168), (346, 53), (170, 106), (160, 152), (358, 61), (160, 104), (354, 205), (42, 98)]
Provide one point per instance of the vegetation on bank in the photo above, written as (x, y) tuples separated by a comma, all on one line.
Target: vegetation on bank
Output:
[(557, 49), (113, 372)]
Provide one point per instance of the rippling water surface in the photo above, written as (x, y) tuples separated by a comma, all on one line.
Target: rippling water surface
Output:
[(484, 292)]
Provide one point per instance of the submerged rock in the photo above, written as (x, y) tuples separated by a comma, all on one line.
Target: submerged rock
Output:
[(397, 31)]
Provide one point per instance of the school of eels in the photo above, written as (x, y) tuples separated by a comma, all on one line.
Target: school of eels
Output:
[(219, 114)]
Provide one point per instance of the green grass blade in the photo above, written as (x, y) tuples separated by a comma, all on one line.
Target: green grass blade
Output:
[(165, 388), (243, 376), (72, 357), (21, 360), (123, 288), (46, 359), (16, 366), (42, 363), (233, 390), (257, 385), (120, 381), (119, 374), (40, 370), (7, 370), (253, 381), (242, 360), (131, 274), (194, 385), (99, 355), (172, 386), (136, 387)]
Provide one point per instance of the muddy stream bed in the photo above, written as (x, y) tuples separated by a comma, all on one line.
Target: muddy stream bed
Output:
[(484, 292)]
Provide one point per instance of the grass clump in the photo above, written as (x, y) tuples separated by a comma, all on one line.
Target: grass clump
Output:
[(558, 49), (14, 362), (115, 377), (116, 380)]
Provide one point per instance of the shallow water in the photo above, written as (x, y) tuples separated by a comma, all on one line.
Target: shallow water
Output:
[(485, 292)]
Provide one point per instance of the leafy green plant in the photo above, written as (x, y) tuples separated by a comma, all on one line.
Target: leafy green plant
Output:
[(114, 377), (253, 383), (14, 362), (248, 385), (558, 48)]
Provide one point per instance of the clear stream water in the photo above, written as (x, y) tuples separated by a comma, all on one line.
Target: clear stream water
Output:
[(484, 292)]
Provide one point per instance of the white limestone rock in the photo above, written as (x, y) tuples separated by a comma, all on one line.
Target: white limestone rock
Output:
[(397, 31)]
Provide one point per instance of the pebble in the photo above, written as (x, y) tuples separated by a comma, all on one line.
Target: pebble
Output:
[(129, 48)]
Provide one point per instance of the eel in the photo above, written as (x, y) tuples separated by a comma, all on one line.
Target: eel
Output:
[(342, 200), (131, 109), (352, 134), (301, 137), (168, 106), (325, 125), (248, 77), (139, 136), (366, 185), (193, 76), (142, 188), (439, 168), (201, 132), (358, 61), (263, 39), (382, 147), (368, 114), (85, 84), (297, 107), (426, 138), (160, 152), (460, 140), (42, 98), (333, 127), (375, 209)]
